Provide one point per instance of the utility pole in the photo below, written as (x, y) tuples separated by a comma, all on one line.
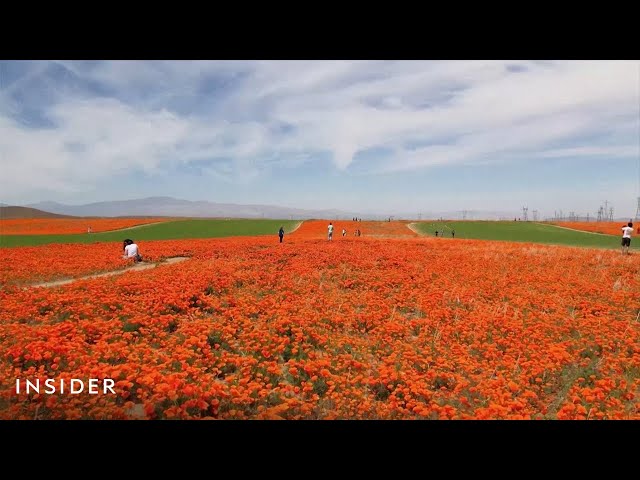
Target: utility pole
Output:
[(524, 213), (638, 210), (611, 214)]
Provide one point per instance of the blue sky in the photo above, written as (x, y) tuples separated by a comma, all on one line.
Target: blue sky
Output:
[(382, 137)]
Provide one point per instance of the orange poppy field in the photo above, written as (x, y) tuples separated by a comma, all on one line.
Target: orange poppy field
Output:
[(388, 325), (608, 228), (51, 226)]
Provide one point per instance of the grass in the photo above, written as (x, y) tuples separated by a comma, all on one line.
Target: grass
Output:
[(201, 228), (522, 232)]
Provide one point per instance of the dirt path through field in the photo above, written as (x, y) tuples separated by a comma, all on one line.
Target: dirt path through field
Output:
[(296, 227), (411, 226), (136, 226), (136, 267), (582, 231)]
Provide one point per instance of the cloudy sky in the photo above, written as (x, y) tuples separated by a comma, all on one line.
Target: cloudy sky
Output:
[(378, 136)]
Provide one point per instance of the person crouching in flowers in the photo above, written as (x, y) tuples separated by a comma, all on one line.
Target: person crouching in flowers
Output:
[(131, 251)]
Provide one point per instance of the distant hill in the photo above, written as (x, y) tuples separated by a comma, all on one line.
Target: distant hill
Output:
[(172, 207), (9, 212)]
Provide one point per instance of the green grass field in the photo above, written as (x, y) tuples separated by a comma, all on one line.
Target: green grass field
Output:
[(162, 231), (521, 232)]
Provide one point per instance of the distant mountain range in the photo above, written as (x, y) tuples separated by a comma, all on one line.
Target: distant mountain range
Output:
[(7, 212), (172, 207)]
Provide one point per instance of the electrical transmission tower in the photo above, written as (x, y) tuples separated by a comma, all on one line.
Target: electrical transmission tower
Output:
[(524, 213), (535, 215), (600, 214), (638, 210), (611, 214), (464, 212)]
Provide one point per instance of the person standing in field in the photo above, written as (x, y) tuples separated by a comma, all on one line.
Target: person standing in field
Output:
[(330, 228), (281, 233), (436, 233), (626, 237), (344, 232), (88, 229), (453, 234)]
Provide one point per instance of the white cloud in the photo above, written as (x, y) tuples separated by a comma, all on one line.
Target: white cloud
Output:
[(460, 112), (615, 151)]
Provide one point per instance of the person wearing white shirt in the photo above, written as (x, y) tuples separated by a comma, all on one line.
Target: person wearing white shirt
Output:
[(131, 251), (626, 237), (330, 231)]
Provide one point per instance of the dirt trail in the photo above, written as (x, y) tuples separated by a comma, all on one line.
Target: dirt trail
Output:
[(135, 226), (411, 226), (137, 267), (296, 227), (576, 230), (165, 221)]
